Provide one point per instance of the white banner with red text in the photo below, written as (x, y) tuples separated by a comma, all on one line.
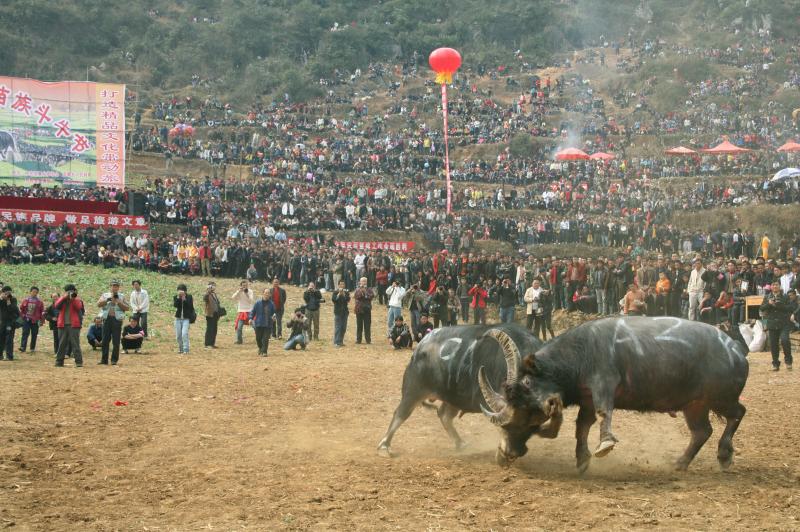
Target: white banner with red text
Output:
[(374, 246)]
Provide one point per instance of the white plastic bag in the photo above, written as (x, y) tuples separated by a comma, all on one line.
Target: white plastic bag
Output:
[(747, 333), (759, 338)]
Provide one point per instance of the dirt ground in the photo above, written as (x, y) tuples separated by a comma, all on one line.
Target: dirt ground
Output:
[(225, 440)]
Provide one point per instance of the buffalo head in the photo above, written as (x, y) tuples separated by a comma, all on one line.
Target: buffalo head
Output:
[(522, 409)]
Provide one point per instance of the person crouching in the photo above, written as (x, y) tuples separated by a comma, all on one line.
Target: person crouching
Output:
[(298, 335), (400, 334), (132, 336)]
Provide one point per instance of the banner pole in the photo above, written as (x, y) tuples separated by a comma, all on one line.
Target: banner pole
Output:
[(446, 148)]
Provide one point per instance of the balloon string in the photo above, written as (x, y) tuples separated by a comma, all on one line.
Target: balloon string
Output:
[(446, 146)]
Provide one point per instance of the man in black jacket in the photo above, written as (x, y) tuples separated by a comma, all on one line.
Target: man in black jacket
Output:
[(507, 297), (340, 298), (9, 312), (313, 299), (775, 311)]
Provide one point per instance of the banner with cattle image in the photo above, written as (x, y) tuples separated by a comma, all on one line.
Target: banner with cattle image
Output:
[(69, 133)]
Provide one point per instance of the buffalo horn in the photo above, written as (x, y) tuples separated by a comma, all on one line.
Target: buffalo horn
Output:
[(510, 352), (501, 412)]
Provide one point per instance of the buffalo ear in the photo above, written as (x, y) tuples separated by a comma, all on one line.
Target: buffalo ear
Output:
[(554, 406), (529, 363)]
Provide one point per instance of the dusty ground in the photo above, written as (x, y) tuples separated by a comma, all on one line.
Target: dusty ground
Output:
[(226, 440)]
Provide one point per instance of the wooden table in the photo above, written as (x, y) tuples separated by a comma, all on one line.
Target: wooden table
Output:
[(752, 301)]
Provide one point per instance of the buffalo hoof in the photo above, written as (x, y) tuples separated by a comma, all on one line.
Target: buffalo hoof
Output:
[(725, 461), (604, 448), (681, 465), (460, 446), (385, 452), (583, 466), (501, 459)]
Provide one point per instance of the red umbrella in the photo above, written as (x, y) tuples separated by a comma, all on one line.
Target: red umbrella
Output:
[(725, 148), (680, 150), (571, 154), (790, 146), (603, 156)]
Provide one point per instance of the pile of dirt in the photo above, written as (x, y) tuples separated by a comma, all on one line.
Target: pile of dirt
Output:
[(563, 320)]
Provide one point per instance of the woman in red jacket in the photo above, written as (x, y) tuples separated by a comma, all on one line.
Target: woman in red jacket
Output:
[(479, 295)]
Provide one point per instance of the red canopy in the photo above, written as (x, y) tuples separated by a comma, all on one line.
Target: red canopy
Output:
[(790, 146), (571, 154), (725, 148), (603, 156), (680, 150)]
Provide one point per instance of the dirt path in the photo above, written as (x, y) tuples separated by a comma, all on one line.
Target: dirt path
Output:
[(225, 440)]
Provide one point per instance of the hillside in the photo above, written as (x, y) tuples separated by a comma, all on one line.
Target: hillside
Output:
[(264, 48)]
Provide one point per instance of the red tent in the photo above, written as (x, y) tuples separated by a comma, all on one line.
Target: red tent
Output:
[(790, 146), (603, 156), (725, 148), (680, 150), (571, 154)]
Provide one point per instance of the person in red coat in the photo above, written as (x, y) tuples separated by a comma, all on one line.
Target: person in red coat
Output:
[(70, 320), (478, 305)]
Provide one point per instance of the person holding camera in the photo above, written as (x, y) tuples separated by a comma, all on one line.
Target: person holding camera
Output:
[(395, 294), (244, 299), (114, 306), (279, 301), (775, 310), (298, 331), (9, 314), (534, 309), (261, 319), (363, 308), (184, 316), (416, 300), (70, 320), (437, 307), (506, 301), (313, 299), (479, 295), (340, 298), (212, 312)]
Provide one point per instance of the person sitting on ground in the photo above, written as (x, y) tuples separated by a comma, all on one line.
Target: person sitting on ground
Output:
[(298, 331), (424, 327), (132, 336), (400, 334), (95, 334), (633, 303)]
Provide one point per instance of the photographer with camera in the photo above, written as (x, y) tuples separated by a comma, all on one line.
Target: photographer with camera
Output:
[(70, 320), (298, 331), (113, 305), (479, 295), (340, 298), (313, 299), (395, 294), (363, 309), (775, 311), (417, 300), (9, 314)]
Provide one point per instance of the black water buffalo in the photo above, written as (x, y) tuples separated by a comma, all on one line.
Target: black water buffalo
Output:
[(645, 364), (8, 146), (445, 366)]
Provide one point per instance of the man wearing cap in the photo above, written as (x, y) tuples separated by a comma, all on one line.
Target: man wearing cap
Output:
[(113, 306), (400, 335)]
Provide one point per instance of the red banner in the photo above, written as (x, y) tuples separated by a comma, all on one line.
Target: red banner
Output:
[(373, 246), (114, 221)]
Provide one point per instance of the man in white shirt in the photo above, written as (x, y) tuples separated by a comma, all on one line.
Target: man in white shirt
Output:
[(787, 279), (395, 293), (140, 304), (695, 288), (244, 299), (360, 260)]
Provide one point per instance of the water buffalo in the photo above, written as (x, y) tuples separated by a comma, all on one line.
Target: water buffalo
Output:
[(631, 363), (8, 146), (445, 366)]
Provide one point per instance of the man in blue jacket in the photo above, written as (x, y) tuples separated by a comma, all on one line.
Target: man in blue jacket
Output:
[(261, 318), (95, 335)]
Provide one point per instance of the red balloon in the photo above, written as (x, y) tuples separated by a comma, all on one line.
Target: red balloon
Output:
[(189, 131), (444, 60)]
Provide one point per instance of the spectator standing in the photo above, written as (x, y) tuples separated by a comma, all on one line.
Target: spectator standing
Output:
[(453, 307), (462, 292), (601, 278), (244, 299), (32, 311), (478, 304), (313, 300), (70, 320), (381, 284), (416, 306), (546, 321), (184, 316), (695, 289), (506, 301), (363, 309), (534, 308), (775, 311), (261, 318), (211, 309), (132, 336), (298, 331), (9, 313), (140, 304), (395, 294), (114, 306), (279, 301), (95, 333), (340, 298), (51, 316)]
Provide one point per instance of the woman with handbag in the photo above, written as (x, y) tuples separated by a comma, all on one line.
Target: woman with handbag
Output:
[(184, 316), (213, 312)]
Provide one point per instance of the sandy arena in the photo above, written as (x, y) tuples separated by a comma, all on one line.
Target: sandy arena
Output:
[(225, 440)]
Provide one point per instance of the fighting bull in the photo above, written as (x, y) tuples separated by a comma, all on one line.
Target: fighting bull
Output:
[(8, 146), (643, 364), (445, 365)]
